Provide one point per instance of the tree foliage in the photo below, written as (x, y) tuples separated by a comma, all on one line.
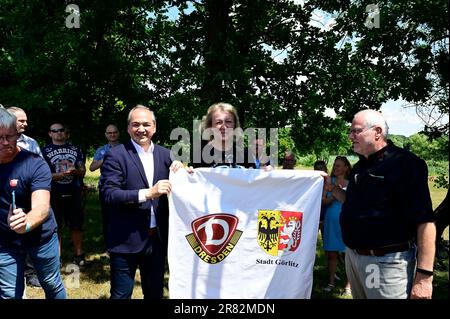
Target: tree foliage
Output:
[(268, 58), (437, 149), (406, 56)]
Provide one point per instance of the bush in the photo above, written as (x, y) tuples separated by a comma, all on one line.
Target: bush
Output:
[(437, 167), (307, 160)]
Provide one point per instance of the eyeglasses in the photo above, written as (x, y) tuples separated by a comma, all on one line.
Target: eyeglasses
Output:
[(357, 131), (109, 133), (60, 130), (9, 138)]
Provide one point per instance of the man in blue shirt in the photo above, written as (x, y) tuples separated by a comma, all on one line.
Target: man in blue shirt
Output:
[(27, 143), (27, 223), (112, 135)]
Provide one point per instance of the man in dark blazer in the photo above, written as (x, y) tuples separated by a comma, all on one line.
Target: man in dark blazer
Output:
[(134, 186)]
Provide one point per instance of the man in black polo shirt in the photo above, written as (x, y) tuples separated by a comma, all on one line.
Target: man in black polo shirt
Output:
[(387, 217)]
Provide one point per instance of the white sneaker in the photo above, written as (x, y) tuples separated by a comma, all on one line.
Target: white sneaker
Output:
[(347, 292), (328, 288)]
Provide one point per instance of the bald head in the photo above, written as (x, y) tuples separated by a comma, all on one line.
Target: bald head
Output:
[(22, 120), (111, 127)]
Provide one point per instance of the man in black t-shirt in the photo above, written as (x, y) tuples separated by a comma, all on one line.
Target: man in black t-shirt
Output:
[(66, 163)]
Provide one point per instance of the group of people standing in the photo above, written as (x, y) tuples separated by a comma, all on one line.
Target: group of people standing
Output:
[(386, 215)]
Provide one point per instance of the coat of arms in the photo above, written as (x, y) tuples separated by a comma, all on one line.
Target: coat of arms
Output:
[(279, 231)]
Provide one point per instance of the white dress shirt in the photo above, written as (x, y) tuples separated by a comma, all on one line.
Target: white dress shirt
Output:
[(146, 158)]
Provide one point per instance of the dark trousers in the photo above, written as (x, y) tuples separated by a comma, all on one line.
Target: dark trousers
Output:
[(150, 260)]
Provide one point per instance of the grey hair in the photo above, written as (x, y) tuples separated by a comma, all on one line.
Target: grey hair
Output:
[(7, 120), (374, 118), (15, 109), (141, 107)]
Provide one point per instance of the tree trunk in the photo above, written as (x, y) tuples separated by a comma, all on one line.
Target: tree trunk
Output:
[(215, 53)]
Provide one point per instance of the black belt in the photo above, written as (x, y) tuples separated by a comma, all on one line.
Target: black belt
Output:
[(384, 250)]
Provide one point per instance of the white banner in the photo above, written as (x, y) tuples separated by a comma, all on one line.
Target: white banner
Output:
[(243, 233)]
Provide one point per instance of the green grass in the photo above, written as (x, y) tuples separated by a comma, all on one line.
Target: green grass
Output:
[(94, 278)]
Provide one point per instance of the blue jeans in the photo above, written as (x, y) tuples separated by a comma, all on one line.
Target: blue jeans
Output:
[(45, 258)]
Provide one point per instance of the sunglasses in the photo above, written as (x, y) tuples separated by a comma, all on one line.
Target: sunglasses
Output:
[(60, 130)]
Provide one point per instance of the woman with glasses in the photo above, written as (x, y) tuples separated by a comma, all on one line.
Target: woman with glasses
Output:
[(222, 143), (332, 199)]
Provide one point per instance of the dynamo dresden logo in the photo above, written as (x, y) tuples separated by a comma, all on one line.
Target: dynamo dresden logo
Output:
[(279, 231), (214, 236)]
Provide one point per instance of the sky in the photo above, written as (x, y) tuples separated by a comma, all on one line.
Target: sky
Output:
[(401, 120)]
